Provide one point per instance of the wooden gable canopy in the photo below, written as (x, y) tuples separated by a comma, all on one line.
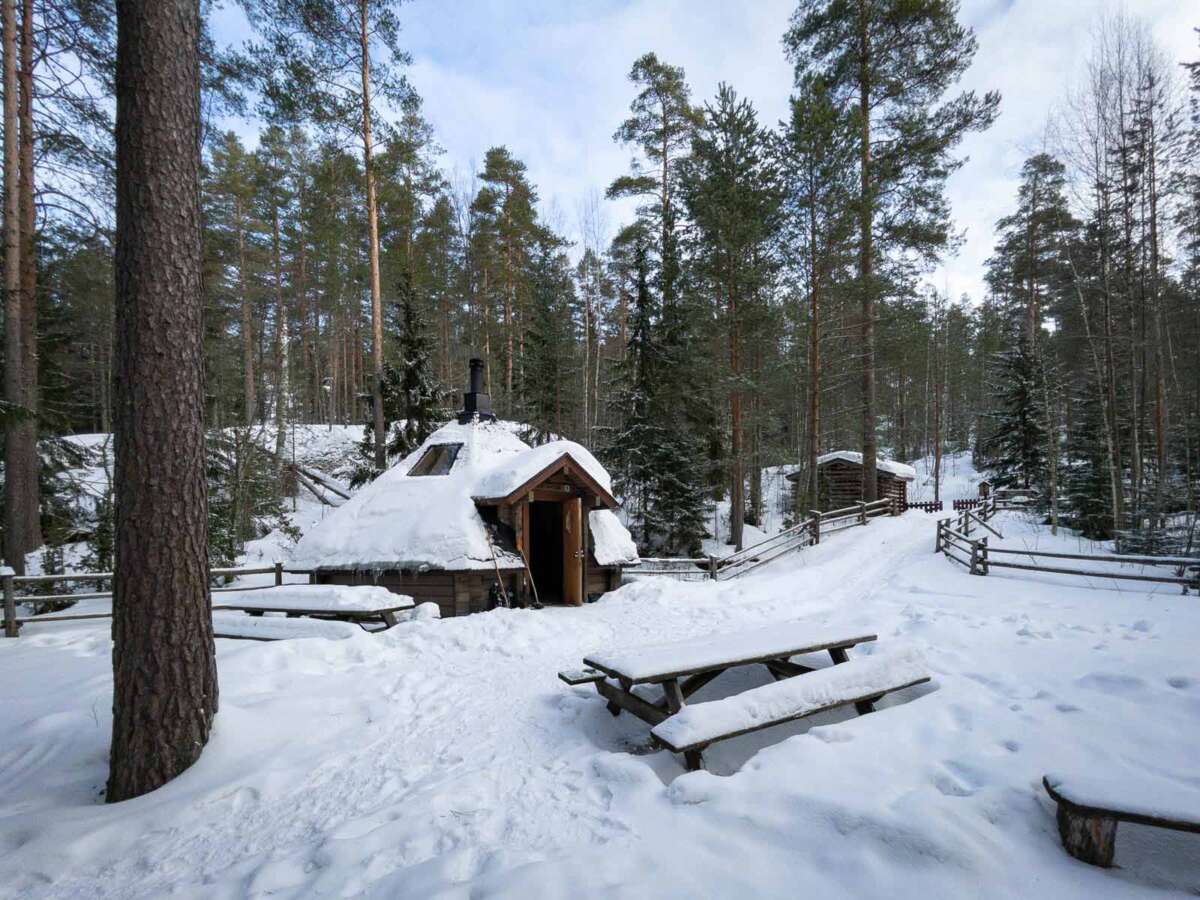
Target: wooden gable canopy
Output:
[(564, 465)]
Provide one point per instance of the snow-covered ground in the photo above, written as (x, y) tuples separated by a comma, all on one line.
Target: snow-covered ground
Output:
[(444, 758), (958, 476)]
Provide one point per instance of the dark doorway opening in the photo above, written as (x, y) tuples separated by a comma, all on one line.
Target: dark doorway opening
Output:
[(546, 549)]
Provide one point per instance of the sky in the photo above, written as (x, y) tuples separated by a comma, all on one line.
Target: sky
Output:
[(548, 79)]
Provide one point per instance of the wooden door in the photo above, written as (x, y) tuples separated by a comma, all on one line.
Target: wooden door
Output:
[(573, 551)]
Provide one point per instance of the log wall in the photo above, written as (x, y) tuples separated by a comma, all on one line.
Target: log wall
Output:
[(841, 484)]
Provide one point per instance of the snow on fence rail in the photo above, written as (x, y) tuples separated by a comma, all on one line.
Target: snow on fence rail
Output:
[(11, 582), (748, 559), (955, 542)]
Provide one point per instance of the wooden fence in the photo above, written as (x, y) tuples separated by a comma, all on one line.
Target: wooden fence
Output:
[(927, 505), (809, 532), (11, 584), (978, 557)]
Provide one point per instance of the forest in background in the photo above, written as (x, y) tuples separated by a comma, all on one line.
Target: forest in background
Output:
[(769, 300)]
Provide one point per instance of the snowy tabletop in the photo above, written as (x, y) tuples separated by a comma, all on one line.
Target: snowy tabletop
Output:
[(658, 662), (330, 598)]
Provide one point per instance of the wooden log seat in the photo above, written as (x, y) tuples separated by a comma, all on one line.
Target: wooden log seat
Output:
[(1089, 809)]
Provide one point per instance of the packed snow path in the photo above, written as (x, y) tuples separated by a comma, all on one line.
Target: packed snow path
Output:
[(446, 759)]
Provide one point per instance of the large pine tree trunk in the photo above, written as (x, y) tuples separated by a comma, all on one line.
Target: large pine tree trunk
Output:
[(866, 273), (16, 487), (373, 248), (28, 506), (164, 666)]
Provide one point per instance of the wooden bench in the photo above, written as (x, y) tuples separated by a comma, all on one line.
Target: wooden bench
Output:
[(278, 628), (860, 681), (683, 667), (1089, 810), (581, 676)]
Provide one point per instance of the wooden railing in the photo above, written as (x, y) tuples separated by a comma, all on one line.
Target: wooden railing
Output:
[(736, 564), (11, 584), (954, 540), (684, 568)]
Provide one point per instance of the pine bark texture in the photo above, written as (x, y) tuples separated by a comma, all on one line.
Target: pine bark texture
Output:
[(164, 667), (13, 550), (21, 531), (28, 506)]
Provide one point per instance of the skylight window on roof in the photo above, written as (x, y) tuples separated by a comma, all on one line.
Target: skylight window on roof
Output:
[(437, 460)]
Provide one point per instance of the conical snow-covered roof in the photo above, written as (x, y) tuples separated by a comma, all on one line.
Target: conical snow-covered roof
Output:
[(422, 513)]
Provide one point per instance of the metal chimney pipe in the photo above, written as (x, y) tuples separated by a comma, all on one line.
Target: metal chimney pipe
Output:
[(476, 403)]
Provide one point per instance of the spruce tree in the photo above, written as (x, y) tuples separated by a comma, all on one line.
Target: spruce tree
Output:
[(655, 458), (661, 124), (418, 394), (631, 448), (1016, 449), (549, 389), (1086, 489)]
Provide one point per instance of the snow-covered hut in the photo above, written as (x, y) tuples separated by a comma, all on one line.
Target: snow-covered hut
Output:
[(840, 479), (475, 514)]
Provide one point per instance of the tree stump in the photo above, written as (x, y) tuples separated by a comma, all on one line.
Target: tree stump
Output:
[(1091, 839)]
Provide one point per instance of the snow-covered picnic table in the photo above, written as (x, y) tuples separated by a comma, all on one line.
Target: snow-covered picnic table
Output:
[(360, 604), (240, 626), (683, 667)]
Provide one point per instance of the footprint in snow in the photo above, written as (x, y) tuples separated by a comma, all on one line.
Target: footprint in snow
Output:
[(1112, 683), (1066, 707), (1181, 682), (957, 780), (1027, 632)]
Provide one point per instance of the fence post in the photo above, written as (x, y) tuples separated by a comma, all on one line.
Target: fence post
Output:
[(712, 567), (983, 557), (10, 605), (278, 574), (862, 513), (816, 526), (974, 570)]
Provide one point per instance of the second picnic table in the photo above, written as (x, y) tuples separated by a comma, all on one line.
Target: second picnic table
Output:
[(683, 667), (361, 604)]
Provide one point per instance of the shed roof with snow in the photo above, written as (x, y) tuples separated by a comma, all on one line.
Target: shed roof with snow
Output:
[(890, 466), (896, 469)]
